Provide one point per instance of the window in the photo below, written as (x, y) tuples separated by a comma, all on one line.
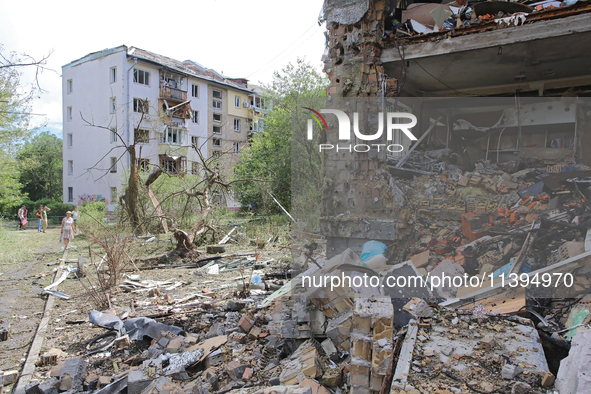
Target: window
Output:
[(195, 90), (217, 129), (195, 117), (237, 125), (141, 106), (113, 135), (217, 142), (69, 114), (236, 147), (143, 164), (172, 136), (69, 86), (169, 164), (70, 140), (195, 140), (70, 167), (217, 153), (217, 117), (113, 105), (70, 194), (141, 135), (194, 168), (113, 195), (142, 77), (217, 94), (237, 101), (217, 104), (113, 169), (113, 75)]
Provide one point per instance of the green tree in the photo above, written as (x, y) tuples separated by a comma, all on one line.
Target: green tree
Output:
[(40, 165), (283, 141)]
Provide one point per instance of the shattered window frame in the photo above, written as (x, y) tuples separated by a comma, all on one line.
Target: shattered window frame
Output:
[(141, 136), (142, 104), (217, 116), (141, 77), (217, 129)]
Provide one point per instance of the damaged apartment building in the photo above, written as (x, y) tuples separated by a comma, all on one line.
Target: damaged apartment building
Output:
[(165, 107), (504, 84)]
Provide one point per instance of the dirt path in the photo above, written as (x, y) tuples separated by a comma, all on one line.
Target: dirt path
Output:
[(24, 256)]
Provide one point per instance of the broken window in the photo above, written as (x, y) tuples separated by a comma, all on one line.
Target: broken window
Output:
[(113, 168), (217, 117), (236, 147), (237, 102), (195, 90), (141, 135), (172, 135), (141, 106), (194, 168), (142, 77), (113, 195), (217, 129), (217, 104), (113, 135), (113, 105), (217, 153), (143, 164), (195, 140), (217, 94), (113, 75), (70, 167), (70, 194), (195, 117), (173, 165), (237, 125), (217, 142)]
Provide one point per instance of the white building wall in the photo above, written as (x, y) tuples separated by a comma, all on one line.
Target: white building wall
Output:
[(199, 130), (90, 119)]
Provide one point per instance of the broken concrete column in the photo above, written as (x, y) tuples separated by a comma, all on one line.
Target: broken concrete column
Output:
[(573, 375), (73, 374), (137, 381), (338, 330), (372, 331), (47, 387)]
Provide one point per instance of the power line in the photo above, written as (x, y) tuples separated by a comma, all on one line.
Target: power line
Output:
[(283, 51)]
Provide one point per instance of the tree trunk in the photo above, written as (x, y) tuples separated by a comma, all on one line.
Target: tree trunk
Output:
[(132, 191)]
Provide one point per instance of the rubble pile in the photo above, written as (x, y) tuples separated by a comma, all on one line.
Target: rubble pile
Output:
[(424, 19)]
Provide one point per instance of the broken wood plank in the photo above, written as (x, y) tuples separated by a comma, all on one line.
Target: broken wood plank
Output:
[(227, 237), (159, 211)]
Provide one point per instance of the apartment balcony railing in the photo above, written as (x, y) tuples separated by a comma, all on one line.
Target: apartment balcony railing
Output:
[(168, 93)]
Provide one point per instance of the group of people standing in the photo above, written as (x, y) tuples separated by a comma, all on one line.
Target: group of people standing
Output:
[(68, 227)]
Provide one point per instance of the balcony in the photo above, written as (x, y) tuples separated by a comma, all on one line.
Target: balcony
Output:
[(168, 93)]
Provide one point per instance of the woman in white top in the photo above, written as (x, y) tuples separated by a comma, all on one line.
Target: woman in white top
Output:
[(67, 229)]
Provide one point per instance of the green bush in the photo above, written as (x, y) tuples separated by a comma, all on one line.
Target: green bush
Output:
[(92, 215), (57, 208)]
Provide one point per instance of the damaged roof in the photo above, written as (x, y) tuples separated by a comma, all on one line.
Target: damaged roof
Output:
[(187, 67)]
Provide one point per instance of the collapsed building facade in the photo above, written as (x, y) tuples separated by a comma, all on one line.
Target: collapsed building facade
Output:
[(491, 187)]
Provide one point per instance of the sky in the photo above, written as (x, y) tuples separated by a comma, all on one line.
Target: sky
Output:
[(241, 39)]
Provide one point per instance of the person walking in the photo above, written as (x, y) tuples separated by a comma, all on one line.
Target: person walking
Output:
[(44, 217), (75, 216), (22, 217), (39, 218), (67, 230)]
